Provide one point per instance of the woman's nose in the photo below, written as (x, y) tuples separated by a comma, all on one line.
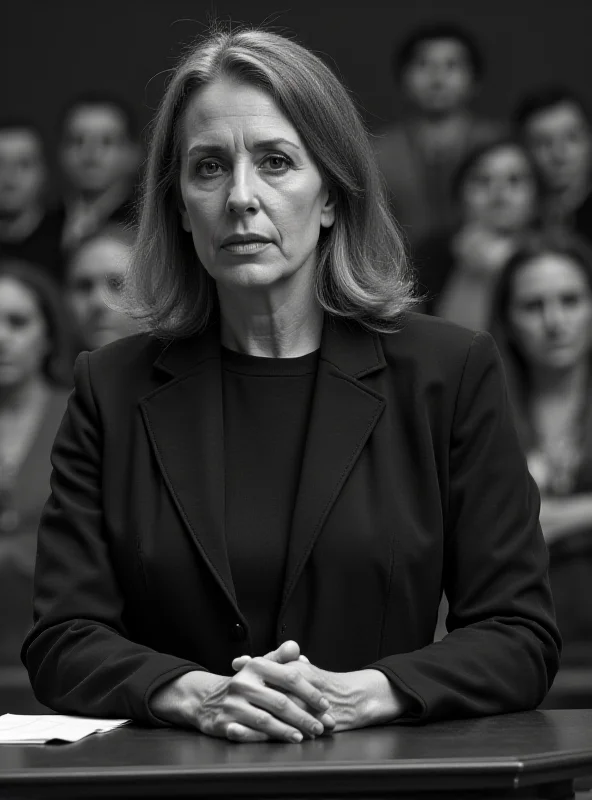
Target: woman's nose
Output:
[(242, 195)]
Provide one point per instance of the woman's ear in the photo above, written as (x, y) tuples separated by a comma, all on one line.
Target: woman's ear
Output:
[(328, 210), (186, 224)]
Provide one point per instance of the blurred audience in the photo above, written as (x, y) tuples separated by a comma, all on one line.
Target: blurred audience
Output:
[(556, 127), (28, 230), (439, 69), (542, 321), (95, 276), (99, 154), (497, 192), (35, 370)]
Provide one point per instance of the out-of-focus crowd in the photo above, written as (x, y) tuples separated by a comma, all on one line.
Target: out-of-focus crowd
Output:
[(498, 217)]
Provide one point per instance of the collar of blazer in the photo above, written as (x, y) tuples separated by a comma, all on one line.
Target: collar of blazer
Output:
[(184, 421)]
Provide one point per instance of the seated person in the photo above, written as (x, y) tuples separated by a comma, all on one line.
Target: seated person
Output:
[(289, 457), (439, 69), (99, 154), (35, 373), (29, 231), (556, 127), (95, 277), (497, 191), (542, 321)]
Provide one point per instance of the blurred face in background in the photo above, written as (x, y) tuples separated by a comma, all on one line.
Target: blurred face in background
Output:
[(550, 312), (22, 172), (96, 151), (561, 144), (439, 79), (500, 191), (24, 338), (95, 275)]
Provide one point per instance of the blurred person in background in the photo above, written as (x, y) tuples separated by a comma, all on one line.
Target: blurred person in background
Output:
[(95, 276), (35, 374), (498, 192), (99, 155), (542, 322), (556, 127), (29, 231), (439, 69)]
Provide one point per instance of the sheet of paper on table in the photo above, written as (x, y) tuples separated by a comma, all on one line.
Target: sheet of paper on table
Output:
[(44, 728)]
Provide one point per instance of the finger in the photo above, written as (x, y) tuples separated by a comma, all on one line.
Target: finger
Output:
[(277, 714), (236, 732), (239, 662), (289, 678)]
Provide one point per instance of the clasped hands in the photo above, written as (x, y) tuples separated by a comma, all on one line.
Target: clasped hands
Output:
[(279, 696)]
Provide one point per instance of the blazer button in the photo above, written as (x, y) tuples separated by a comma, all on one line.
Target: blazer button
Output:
[(239, 633)]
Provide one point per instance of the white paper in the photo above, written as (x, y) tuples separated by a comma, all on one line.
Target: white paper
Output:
[(43, 728)]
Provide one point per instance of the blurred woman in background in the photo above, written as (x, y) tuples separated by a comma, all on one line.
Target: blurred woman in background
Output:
[(95, 274), (35, 367), (542, 321), (498, 192)]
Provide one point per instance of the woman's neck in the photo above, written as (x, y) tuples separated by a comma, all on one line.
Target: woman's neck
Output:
[(260, 325), (559, 384), (17, 399)]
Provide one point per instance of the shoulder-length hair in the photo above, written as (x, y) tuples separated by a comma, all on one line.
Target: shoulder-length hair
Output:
[(58, 363), (362, 273), (555, 243)]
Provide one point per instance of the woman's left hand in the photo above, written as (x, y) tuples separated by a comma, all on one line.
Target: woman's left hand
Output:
[(340, 688)]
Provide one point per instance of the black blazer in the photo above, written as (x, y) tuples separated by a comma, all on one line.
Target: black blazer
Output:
[(413, 481)]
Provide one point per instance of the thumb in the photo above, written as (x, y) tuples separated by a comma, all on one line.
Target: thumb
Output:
[(286, 652)]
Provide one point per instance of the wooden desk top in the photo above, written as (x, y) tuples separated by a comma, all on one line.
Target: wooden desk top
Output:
[(509, 753)]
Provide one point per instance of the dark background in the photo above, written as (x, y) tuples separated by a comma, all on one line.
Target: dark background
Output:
[(52, 49)]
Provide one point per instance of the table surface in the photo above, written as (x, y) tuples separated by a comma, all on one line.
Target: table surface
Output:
[(507, 751)]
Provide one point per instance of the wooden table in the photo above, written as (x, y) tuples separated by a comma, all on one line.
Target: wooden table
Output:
[(533, 754)]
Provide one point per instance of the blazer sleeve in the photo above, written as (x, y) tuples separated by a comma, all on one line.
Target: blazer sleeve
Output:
[(502, 650), (78, 654)]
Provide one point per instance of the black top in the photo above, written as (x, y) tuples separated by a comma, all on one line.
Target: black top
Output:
[(266, 402), (41, 247)]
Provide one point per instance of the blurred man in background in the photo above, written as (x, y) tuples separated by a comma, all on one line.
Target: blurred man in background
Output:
[(557, 129), (28, 230), (439, 69), (99, 155)]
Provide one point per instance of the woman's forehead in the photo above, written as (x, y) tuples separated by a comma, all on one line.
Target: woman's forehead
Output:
[(226, 109)]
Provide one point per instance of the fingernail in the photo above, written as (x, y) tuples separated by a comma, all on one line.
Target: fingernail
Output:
[(323, 702), (296, 737)]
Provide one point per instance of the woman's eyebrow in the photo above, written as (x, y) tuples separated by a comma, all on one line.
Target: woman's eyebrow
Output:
[(260, 144)]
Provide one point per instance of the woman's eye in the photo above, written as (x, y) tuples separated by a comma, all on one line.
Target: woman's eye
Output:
[(18, 321), (208, 169), (276, 163)]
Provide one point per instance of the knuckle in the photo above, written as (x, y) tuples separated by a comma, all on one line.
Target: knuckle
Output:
[(281, 702), (292, 676)]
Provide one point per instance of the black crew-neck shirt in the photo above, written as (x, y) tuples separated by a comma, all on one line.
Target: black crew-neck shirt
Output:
[(266, 409)]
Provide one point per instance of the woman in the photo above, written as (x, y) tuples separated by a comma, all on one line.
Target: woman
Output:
[(542, 321), (293, 462), (498, 192), (94, 279), (35, 361)]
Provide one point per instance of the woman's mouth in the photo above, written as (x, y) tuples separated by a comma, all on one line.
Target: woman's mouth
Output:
[(246, 247)]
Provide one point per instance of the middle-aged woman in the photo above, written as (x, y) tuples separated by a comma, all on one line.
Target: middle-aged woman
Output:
[(257, 503), (542, 322)]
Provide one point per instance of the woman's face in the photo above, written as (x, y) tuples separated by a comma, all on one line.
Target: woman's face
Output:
[(253, 199), (439, 79), (500, 191), (550, 312), (97, 271), (24, 341)]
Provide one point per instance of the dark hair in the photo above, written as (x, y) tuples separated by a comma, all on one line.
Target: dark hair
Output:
[(57, 367), (99, 100), (481, 151), (542, 100), (406, 51), (548, 243), (362, 271)]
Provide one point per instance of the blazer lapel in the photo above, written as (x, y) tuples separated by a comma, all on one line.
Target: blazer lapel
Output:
[(184, 420), (343, 415)]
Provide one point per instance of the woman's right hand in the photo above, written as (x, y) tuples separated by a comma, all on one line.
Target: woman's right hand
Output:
[(255, 705)]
